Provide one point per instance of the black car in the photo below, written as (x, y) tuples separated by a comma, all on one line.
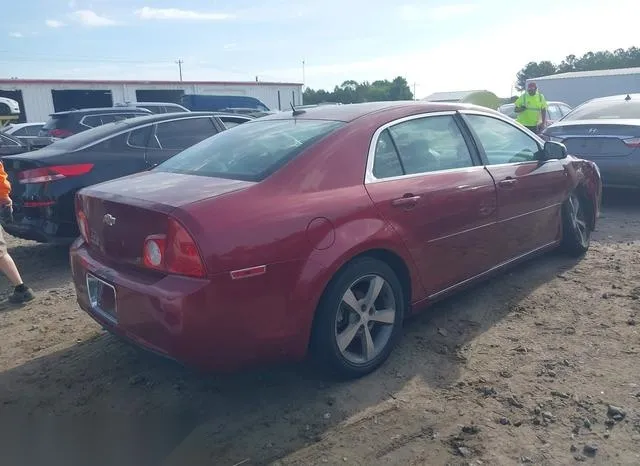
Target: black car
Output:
[(64, 124), (44, 182), (10, 145)]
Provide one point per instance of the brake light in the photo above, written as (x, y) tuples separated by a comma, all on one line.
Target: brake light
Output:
[(176, 252), (60, 133), (633, 142), (46, 174)]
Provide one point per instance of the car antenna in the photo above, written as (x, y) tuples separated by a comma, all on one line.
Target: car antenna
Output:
[(627, 98), (296, 112)]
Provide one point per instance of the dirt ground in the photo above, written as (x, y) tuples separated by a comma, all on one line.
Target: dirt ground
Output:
[(539, 366)]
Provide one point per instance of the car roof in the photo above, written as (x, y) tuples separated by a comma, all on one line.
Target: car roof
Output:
[(90, 136), (351, 112), (614, 98), (100, 110)]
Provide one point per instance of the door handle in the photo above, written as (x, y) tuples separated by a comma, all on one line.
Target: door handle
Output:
[(507, 182), (407, 200)]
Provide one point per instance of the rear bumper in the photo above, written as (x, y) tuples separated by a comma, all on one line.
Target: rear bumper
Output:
[(207, 324), (42, 231), (619, 172)]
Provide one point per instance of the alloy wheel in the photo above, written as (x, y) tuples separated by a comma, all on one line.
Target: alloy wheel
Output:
[(578, 219), (365, 319)]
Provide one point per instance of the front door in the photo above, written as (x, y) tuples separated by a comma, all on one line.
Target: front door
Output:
[(435, 193), (530, 192)]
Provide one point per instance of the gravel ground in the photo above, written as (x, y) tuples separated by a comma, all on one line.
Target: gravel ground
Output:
[(537, 366)]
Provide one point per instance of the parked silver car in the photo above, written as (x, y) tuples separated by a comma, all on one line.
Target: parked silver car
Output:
[(555, 112), (607, 131)]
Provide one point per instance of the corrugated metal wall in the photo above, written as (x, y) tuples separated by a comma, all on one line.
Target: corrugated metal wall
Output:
[(38, 101), (575, 91)]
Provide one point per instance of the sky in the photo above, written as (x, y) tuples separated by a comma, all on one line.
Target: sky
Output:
[(436, 45)]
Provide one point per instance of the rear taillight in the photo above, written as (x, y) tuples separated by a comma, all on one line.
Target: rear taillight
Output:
[(633, 142), (176, 252), (46, 174), (60, 133)]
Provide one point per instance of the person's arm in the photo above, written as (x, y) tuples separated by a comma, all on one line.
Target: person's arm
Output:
[(5, 187), (519, 105)]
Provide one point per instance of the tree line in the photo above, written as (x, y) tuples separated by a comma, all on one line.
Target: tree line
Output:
[(351, 92), (590, 61)]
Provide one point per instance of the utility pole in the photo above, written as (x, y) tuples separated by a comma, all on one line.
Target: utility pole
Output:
[(304, 79), (179, 63)]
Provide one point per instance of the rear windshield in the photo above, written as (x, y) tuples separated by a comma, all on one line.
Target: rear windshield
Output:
[(606, 110), (251, 151), (56, 122)]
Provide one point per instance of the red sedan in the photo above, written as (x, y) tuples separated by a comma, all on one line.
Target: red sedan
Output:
[(320, 230)]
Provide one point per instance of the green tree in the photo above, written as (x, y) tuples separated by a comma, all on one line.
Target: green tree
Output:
[(351, 91), (534, 70), (590, 61)]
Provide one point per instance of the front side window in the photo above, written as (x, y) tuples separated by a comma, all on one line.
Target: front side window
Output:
[(180, 134), (252, 151), (8, 142), (503, 142), (423, 145)]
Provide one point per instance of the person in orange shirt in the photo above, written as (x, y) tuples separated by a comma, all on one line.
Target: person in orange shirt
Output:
[(21, 292)]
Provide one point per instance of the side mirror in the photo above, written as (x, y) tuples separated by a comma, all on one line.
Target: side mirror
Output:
[(554, 150)]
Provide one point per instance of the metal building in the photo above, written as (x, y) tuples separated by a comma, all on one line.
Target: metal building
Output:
[(580, 86), (40, 97)]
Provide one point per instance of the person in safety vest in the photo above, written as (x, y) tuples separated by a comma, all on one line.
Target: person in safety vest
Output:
[(531, 108)]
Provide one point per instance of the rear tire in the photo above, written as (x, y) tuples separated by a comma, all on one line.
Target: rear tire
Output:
[(359, 319), (576, 231)]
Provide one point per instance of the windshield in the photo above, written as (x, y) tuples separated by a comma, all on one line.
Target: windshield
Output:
[(251, 151), (606, 110)]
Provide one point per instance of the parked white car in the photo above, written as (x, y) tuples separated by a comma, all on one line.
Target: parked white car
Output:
[(9, 107)]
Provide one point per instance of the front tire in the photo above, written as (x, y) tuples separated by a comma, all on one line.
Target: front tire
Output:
[(359, 319), (576, 231)]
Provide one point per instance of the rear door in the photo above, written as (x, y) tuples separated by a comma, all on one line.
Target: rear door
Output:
[(530, 192), (429, 184), (173, 136)]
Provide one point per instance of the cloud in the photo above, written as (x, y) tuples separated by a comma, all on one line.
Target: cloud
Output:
[(176, 14), (415, 12), (90, 18), (54, 23), (16, 35)]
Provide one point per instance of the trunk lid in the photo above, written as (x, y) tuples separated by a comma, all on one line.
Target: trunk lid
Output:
[(595, 138), (122, 213)]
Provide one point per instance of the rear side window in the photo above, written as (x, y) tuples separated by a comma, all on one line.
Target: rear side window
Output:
[(180, 134), (606, 110), (252, 151), (139, 138), (92, 121), (21, 132)]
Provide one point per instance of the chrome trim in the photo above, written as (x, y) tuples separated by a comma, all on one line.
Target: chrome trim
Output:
[(86, 146), (370, 178), (492, 269), (94, 303)]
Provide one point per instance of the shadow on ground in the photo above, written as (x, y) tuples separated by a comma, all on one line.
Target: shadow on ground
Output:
[(103, 402)]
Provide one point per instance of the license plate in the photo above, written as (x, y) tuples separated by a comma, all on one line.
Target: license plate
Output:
[(102, 297)]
